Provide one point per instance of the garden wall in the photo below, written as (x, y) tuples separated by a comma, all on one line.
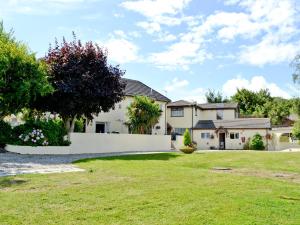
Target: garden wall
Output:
[(83, 143)]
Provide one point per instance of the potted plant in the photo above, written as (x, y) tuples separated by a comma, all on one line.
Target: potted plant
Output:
[(188, 146)]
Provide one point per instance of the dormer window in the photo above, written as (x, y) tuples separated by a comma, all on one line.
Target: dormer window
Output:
[(220, 114), (177, 112)]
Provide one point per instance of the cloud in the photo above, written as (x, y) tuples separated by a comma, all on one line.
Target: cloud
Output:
[(179, 89), (156, 8), (268, 51), (120, 50), (149, 27), (256, 83), (179, 55), (175, 84)]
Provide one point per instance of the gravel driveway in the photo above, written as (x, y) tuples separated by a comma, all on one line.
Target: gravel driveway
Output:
[(13, 164)]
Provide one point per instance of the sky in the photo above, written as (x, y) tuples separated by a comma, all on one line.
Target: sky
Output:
[(181, 48)]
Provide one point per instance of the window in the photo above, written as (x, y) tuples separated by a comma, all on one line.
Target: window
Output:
[(180, 131), (220, 115), (205, 135), (234, 135), (176, 112)]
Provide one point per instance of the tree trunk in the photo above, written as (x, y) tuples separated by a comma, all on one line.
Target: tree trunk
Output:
[(69, 125)]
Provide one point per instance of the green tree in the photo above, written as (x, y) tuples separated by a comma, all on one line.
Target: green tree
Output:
[(215, 97), (250, 101), (296, 130), (256, 143), (143, 113), (187, 141), (277, 110), (22, 76)]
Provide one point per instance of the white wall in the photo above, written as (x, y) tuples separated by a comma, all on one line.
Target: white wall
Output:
[(83, 143), (230, 144), (276, 145), (114, 119)]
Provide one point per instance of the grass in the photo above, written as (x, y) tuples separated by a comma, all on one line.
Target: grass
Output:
[(163, 188)]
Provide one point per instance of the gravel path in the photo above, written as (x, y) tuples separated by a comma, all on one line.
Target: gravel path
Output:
[(13, 164)]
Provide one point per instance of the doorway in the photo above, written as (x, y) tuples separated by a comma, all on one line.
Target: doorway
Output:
[(222, 138), (100, 128)]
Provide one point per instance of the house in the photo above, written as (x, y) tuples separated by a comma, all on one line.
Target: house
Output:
[(114, 120), (215, 126)]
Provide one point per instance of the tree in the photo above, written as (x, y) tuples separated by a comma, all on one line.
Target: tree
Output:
[(22, 76), (296, 130), (256, 143), (84, 82), (187, 141), (296, 65), (277, 110), (250, 101), (213, 97), (143, 113)]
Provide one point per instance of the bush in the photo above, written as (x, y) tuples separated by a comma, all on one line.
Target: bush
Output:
[(187, 141), (53, 133), (257, 143), (5, 133), (79, 126)]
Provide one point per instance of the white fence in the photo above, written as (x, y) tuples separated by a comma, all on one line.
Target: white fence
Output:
[(83, 143)]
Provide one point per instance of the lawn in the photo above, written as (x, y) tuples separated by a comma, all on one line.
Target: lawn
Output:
[(169, 188)]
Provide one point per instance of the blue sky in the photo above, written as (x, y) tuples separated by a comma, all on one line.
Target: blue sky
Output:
[(181, 48)]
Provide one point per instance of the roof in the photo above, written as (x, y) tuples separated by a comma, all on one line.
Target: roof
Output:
[(180, 103), (205, 106), (135, 87), (249, 123)]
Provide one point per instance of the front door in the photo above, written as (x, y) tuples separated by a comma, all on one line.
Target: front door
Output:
[(222, 145), (100, 127)]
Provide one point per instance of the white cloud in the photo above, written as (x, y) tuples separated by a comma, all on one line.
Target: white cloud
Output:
[(156, 8), (121, 50), (268, 51), (196, 95), (256, 83), (149, 27), (179, 55), (175, 84)]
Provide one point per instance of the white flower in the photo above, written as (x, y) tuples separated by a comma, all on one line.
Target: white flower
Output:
[(37, 138)]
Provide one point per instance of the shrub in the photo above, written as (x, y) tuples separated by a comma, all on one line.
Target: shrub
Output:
[(296, 130), (5, 133), (52, 130), (256, 143), (34, 138), (187, 141), (79, 125), (189, 146)]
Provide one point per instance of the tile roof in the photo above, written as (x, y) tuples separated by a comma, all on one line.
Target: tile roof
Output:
[(249, 123), (218, 105), (135, 87), (205, 106), (180, 103)]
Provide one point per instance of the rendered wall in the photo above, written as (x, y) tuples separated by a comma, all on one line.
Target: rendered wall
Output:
[(83, 143)]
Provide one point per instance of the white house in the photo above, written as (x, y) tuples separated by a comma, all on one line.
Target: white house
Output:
[(215, 126), (113, 121)]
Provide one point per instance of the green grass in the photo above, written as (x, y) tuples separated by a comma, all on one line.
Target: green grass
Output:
[(160, 189)]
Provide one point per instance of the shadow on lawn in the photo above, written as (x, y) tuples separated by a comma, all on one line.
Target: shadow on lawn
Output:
[(10, 181), (161, 156)]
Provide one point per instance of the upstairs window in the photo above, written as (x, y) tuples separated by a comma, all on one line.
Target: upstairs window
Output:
[(220, 114), (176, 112)]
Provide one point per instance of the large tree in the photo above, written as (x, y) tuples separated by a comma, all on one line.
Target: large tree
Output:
[(22, 76), (143, 113), (84, 82), (250, 101), (296, 65), (215, 97)]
